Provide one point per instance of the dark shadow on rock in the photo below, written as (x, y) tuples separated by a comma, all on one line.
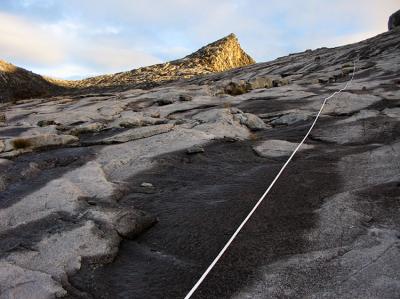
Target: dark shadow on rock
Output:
[(51, 165), (268, 105), (200, 201), (12, 132), (25, 236)]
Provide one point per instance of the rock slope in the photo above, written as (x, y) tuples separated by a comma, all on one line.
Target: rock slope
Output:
[(81, 173)]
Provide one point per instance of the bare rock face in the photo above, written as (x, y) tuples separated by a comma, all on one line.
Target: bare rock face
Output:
[(78, 174), (394, 20), (222, 55)]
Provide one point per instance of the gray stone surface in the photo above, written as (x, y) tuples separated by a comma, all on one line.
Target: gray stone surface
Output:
[(61, 254), (291, 118), (348, 103), (278, 148), (17, 282), (363, 114), (392, 112), (329, 228), (133, 134)]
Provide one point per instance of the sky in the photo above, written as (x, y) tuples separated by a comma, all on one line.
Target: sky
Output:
[(73, 39)]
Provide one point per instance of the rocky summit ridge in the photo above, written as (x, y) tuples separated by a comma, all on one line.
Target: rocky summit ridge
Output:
[(221, 55)]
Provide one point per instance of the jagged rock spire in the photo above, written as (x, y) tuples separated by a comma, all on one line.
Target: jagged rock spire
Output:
[(221, 55)]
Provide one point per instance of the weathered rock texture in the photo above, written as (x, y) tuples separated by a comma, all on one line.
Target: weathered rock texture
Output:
[(77, 174), (219, 56)]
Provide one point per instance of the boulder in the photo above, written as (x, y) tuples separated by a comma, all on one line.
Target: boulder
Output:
[(394, 20), (129, 222), (291, 118), (195, 150), (260, 82), (221, 123), (253, 122), (87, 128), (235, 88)]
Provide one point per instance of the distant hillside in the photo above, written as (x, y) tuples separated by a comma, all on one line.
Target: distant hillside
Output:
[(18, 83), (219, 56)]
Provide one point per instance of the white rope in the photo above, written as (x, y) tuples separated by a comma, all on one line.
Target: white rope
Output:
[(194, 288)]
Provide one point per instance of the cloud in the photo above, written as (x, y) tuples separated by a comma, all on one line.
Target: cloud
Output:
[(342, 39), (102, 36), (26, 41), (267, 29), (68, 48), (112, 58), (40, 3), (66, 71)]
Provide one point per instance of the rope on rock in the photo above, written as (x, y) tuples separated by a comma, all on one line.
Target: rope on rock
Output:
[(214, 262)]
